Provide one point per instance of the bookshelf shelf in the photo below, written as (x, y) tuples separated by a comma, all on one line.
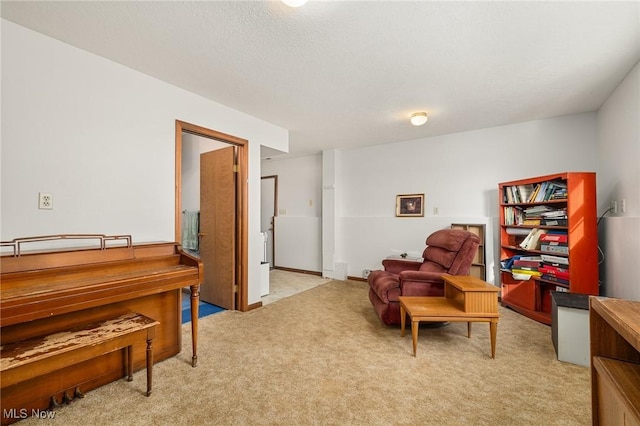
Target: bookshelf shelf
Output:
[(559, 237)]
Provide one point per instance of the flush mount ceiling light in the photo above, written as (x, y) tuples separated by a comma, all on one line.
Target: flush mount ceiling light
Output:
[(294, 3), (419, 118)]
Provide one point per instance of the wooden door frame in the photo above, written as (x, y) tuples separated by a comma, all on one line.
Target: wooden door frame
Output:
[(242, 205), (275, 213)]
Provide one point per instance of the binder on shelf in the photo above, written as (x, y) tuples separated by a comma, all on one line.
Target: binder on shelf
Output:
[(555, 279), (555, 222), (526, 272), (554, 236), (554, 267), (555, 273), (548, 248), (555, 259), (522, 263)]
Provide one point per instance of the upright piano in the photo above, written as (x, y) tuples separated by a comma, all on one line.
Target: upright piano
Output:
[(47, 291)]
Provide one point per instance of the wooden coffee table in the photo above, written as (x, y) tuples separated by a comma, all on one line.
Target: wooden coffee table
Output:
[(466, 299)]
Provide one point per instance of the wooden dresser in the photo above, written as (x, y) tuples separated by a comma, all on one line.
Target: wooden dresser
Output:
[(615, 361)]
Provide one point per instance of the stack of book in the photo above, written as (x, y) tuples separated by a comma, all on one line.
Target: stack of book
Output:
[(554, 268), (555, 217), (527, 265), (533, 215), (555, 242)]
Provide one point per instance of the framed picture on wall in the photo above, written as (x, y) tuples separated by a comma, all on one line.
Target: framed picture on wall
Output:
[(410, 205)]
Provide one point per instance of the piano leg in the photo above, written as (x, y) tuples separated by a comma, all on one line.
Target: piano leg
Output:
[(54, 403), (195, 300), (149, 364), (129, 360), (77, 393)]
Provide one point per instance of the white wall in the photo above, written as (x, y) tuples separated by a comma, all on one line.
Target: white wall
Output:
[(619, 178), (192, 147), (101, 138), (297, 224), (458, 173)]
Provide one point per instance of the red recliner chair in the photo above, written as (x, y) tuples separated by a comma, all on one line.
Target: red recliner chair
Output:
[(449, 251)]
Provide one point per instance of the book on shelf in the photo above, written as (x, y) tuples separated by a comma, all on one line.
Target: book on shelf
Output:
[(551, 248), (555, 243), (508, 196), (555, 190), (551, 271), (555, 237), (555, 214), (534, 194), (532, 240), (555, 279), (555, 259), (513, 215), (520, 268), (524, 192), (523, 263), (537, 210), (555, 222), (526, 272), (555, 267)]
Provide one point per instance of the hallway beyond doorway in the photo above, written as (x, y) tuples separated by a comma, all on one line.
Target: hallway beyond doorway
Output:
[(286, 283)]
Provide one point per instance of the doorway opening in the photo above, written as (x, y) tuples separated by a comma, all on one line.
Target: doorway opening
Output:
[(268, 212), (222, 236)]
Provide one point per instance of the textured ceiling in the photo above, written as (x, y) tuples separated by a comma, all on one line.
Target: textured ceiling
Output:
[(342, 74)]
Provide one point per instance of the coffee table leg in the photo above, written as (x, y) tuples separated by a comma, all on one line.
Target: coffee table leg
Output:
[(469, 329), (493, 328), (403, 318), (414, 334)]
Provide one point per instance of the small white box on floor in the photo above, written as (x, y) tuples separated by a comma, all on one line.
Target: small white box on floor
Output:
[(570, 327)]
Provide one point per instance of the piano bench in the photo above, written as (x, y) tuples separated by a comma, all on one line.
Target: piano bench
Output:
[(27, 359)]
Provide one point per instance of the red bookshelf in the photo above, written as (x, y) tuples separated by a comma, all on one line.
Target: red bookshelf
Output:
[(532, 297)]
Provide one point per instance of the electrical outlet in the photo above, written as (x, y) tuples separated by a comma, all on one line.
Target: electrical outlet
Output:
[(623, 205), (365, 273), (45, 201), (613, 205)]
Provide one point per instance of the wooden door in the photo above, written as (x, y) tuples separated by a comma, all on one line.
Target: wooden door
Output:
[(218, 227)]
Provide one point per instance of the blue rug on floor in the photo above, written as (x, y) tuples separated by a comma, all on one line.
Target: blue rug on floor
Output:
[(204, 309)]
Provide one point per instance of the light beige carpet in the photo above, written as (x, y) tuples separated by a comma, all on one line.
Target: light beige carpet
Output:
[(322, 357)]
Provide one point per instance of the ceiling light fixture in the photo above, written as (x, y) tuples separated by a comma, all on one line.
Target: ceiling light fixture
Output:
[(294, 3), (419, 118)]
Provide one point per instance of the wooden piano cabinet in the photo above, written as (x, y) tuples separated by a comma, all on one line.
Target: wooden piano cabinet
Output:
[(614, 327), (38, 297)]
